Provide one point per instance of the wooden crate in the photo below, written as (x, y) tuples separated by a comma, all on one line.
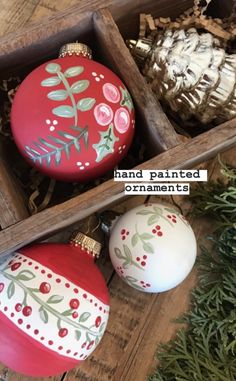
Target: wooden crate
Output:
[(138, 321), (104, 29)]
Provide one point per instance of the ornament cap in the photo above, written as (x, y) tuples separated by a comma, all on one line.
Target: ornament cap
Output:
[(87, 243), (140, 49), (75, 48)]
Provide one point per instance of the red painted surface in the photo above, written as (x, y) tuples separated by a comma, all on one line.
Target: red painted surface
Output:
[(33, 119), (72, 263), (27, 356)]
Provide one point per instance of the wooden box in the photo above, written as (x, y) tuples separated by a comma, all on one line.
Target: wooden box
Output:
[(104, 25)]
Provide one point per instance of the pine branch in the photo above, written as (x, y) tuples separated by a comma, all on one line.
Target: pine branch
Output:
[(206, 350), (61, 146)]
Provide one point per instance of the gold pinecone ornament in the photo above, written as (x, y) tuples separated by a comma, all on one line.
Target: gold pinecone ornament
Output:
[(191, 72), (187, 67)]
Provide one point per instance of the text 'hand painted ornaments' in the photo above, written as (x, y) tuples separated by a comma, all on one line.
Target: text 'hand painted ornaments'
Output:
[(72, 118), (152, 247), (54, 307)]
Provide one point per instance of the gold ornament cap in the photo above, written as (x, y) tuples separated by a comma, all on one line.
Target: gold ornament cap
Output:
[(75, 48), (87, 243), (140, 49)]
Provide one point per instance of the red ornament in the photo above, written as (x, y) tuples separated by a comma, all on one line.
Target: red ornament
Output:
[(45, 317), (72, 118)]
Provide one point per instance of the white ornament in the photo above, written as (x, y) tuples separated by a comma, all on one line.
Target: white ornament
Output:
[(152, 247)]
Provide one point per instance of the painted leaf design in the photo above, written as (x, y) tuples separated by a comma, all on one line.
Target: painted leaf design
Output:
[(25, 275), (129, 278), (128, 253), (152, 219), (126, 99), (144, 212), (146, 236), (77, 335), (85, 104), (58, 95), (118, 253), (97, 340), (88, 338), (148, 247), (64, 111), (53, 68), (11, 290), (84, 316), (102, 327), (51, 81), (67, 312), (43, 315), (73, 71), (79, 86), (105, 146), (54, 299), (157, 210), (134, 239)]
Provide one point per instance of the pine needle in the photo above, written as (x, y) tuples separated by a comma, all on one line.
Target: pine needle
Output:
[(206, 350)]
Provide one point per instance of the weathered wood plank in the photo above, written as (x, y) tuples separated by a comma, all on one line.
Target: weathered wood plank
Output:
[(140, 322), (159, 133), (12, 203), (187, 155)]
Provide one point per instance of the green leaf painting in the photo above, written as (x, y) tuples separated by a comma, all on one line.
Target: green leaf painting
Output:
[(126, 99), (54, 147), (64, 111), (79, 86), (86, 104), (105, 146), (54, 299), (133, 282), (84, 316), (43, 315), (127, 258), (11, 290), (52, 81), (58, 95), (143, 238), (73, 71), (25, 275), (67, 93), (154, 215), (53, 68)]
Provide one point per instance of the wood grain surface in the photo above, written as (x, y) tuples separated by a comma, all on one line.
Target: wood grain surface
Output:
[(187, 155), (138, 321)]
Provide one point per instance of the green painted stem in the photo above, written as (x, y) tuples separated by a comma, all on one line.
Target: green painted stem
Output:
[(49, 308), (67, 86)]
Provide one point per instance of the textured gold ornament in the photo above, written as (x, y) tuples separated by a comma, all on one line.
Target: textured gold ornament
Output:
[(86, 243), (189, 70)]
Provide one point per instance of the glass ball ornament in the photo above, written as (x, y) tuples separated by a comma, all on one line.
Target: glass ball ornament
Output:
[(54, 307), (152, 247), (72, 118)]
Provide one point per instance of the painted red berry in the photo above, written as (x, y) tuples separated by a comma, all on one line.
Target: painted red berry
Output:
[(174, 221), (158, 227), (63, 332), (127, 233), (18, 307), (154, 231), (45, 288), (15, 266), (123, 237), (160, 234), (90, 344), (27, 311), (75, 315), (1, 287), (123, 231), (138, 259), (144, 257), (83, 345), (98, 321), (169, 216), (74, 304), (143, 263)]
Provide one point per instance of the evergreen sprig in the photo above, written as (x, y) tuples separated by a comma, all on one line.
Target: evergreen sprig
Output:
[(206, 350)]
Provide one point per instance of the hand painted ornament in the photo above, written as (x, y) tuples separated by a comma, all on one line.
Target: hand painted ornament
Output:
[(191, 72), (152, 247), (72, 118), (54, 307)]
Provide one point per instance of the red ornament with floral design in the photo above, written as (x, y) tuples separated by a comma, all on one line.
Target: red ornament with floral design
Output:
[(54, 307), (72, 118)]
